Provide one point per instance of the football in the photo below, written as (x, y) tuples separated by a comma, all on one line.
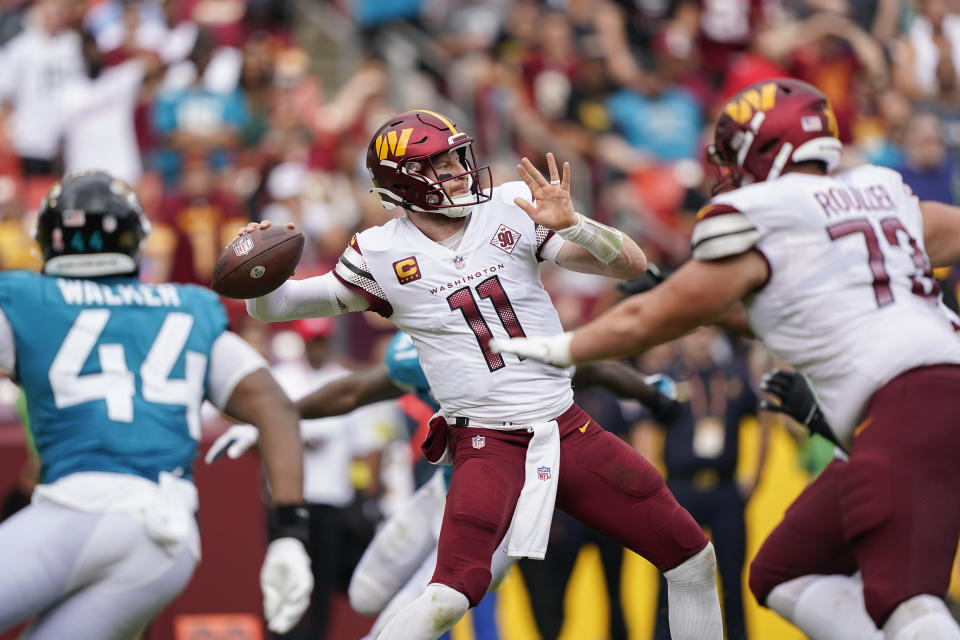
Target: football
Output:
[(258, 262)]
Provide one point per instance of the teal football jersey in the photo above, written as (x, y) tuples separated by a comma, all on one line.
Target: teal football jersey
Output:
[(114, 370), (403, 366)]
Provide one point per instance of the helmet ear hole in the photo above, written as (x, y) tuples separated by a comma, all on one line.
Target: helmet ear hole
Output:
[(768, 146)]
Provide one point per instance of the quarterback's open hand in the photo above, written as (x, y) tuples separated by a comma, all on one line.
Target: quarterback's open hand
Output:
[(552, 206), (286, 581), (234, 442), (553, 350)]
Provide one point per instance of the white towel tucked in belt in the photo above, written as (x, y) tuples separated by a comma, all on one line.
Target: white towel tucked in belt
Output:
[(530, 527)]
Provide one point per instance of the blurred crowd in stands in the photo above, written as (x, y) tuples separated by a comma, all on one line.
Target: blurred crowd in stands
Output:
[(221, 111)]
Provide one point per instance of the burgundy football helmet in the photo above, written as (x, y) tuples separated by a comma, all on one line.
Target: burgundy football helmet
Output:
[(769, 126), (400, 161)]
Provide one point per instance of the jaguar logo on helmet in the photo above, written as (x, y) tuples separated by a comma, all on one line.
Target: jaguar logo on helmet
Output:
[(402, 160), (769, 126)]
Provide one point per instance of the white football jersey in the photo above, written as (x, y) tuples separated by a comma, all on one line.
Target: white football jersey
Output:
[(452, 301), (851, 301)]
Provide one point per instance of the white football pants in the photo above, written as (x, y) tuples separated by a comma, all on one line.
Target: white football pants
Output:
[(85, 576)]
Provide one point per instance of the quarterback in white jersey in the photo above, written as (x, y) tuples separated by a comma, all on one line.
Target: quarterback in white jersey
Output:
[(835, 274), (460, 268)]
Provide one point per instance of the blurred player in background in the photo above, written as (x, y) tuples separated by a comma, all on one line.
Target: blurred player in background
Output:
[(835, 275), (462, 266), (342, 517), (701, 453), (398, 565), (114, 372)]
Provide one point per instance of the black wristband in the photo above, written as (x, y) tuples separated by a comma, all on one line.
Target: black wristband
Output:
[(289, 521), (818, 424)]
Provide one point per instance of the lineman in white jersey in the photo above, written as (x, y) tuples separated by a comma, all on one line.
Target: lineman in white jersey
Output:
[(462, 267), (114, 372), (834, 271)]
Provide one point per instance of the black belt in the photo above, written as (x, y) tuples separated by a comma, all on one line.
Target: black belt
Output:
[(461, 421)]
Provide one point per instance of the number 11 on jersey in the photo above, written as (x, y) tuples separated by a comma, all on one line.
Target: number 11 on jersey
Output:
[(491, 289)]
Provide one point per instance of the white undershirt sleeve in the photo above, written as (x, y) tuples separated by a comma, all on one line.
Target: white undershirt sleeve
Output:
[(322, 296), (231, 360), (8, 353), (551, 248)]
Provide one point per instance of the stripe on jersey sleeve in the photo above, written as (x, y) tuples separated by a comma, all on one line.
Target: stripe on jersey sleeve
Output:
[(352, 271), (722, 231), (542, 235)]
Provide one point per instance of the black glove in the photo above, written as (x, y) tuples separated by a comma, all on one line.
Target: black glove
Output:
[(644, 282), (664, 409), (796, 400)]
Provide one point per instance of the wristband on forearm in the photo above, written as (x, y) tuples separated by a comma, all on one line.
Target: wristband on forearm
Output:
[(288, 521), (603, 242)]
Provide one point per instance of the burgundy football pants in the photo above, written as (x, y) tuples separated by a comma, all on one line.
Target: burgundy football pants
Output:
[(892, 511), (602, 482)]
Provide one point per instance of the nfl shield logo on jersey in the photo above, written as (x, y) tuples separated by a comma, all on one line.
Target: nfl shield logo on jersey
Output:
[(459, 262), (505, 239), (479, 442), (243, 245), (543, 473)]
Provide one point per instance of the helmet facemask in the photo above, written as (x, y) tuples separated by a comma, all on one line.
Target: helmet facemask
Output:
[(441, 181)]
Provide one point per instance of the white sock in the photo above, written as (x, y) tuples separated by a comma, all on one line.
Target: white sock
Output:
[(412, 590), (922, 617), (694, 611), (825, 607), (429, 616)]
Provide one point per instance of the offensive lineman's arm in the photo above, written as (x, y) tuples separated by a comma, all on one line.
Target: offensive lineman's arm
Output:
[(941, 233), (698, 293), (349, 392)]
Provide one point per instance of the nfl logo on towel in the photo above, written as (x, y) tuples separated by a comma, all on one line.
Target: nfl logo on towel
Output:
[(543, 473), (478, 442)]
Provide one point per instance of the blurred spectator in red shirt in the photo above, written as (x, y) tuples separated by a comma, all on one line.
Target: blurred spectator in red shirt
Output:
[(714, 31), (832, 53), (199, 219)]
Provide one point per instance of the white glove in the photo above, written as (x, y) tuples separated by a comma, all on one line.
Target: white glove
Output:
[(234, 441), (286, 582), (553, 350)]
